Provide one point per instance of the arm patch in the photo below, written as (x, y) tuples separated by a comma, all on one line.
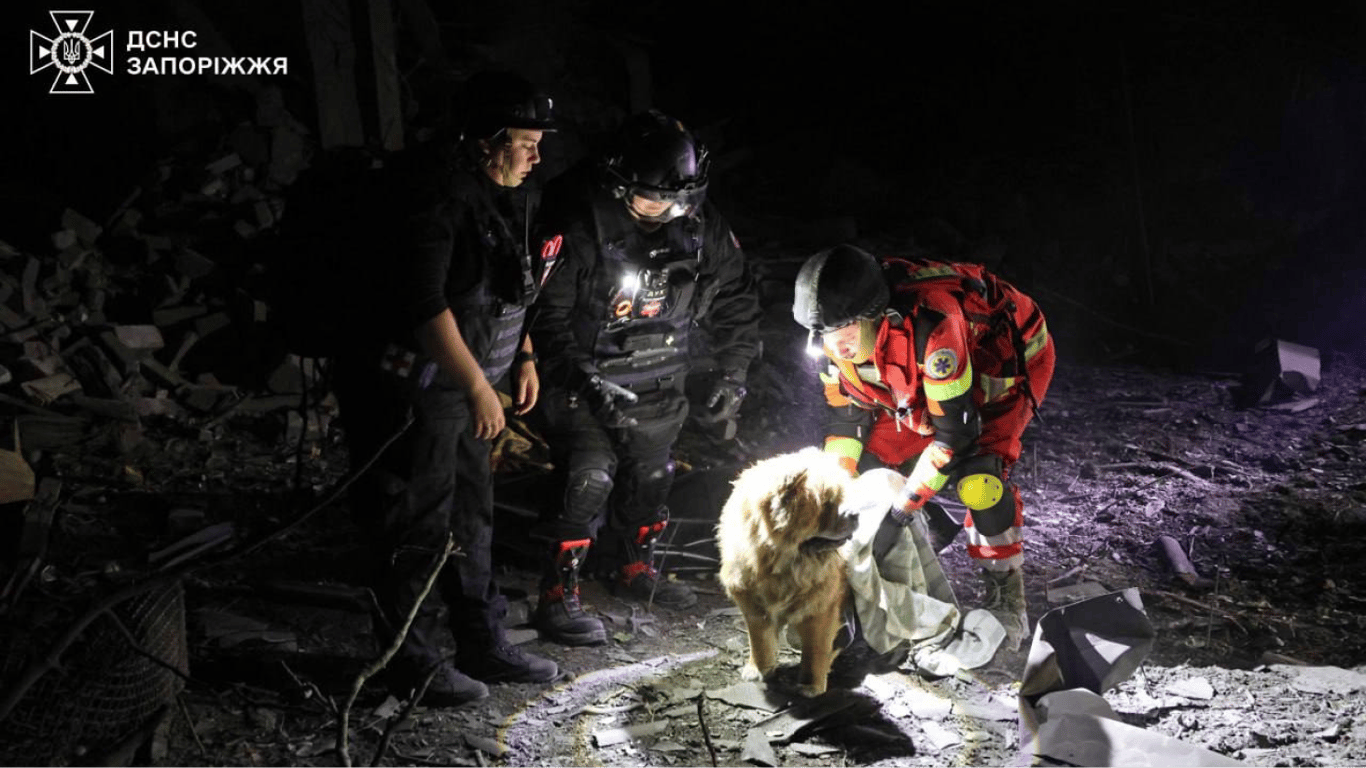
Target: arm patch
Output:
[(941, 364)]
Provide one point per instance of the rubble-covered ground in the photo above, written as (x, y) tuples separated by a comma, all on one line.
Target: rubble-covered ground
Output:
[(1267, 504)]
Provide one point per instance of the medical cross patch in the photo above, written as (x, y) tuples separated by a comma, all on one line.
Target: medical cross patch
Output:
[(941, 364)]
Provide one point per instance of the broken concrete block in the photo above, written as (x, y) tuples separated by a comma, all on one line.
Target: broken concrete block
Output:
[(757, 750), (33, 303), (611, 736), (939, 737), (86, 230), (210, 323), (49, 388), (1192, 688), (140, 337), (287, 378), (1323, 679), (192, 264), (224, 164), (63, 239), (96, 372), (161, 373), (124, 356), (42, 357), (1083, 739), (1280, 370), (16, 476)]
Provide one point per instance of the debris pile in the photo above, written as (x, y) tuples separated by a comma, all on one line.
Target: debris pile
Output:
[(159, 311)]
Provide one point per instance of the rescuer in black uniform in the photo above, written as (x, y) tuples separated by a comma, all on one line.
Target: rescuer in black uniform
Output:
[(642, 262), (457, 290)]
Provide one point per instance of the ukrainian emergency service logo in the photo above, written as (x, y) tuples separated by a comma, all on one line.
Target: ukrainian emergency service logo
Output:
[(71, 52)]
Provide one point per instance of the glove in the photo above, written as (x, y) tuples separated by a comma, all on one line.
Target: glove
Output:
[(606, 400), (914, 498), (723, 404)]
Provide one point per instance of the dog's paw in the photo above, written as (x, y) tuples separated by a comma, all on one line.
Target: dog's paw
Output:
[(810, 691), (751, 672)]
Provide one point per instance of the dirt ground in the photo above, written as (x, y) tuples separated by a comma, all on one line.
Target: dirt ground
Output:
[(1268, 504)]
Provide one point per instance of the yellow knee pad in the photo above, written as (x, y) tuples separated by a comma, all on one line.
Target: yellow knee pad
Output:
[(981, 491)]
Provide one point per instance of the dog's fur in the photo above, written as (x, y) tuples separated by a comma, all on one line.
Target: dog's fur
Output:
[(779, 536)]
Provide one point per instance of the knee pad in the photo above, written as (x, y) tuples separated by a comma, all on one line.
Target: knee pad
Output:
[(999, 517), (983, 490), (586, 492)]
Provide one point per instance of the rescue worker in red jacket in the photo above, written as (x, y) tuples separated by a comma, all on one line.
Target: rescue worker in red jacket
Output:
[(935, 370)]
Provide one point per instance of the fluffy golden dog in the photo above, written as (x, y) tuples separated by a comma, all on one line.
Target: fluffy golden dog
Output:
[(779, 535)]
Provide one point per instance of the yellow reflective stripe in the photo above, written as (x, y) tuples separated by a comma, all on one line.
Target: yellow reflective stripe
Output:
[(945, 390), (847, 447), (1035, 345), (925, 474), (993, 387), (932, 272)]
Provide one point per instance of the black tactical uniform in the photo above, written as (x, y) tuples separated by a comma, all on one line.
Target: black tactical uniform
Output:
[(625, 301), (468, 250)]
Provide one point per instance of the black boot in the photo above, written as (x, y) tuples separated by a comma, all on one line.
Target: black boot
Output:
[(448, 687), (484, 653), (640, 580), (559, 615)]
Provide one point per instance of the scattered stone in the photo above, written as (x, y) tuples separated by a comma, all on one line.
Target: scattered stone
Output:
[(1192, 688), (757, 749), (611, 736), (751, 695), (938, 737)]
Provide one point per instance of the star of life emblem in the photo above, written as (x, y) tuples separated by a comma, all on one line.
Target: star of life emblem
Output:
[(942, 364), (71, 52)]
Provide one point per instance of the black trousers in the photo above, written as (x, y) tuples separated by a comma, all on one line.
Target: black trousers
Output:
[(433, 481), (620, 477)]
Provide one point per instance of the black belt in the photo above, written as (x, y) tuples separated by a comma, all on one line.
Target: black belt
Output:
[(654, 385)]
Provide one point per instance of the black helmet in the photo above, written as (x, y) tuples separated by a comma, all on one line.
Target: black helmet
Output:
[(838, 286), (498, 100), (659, 159)]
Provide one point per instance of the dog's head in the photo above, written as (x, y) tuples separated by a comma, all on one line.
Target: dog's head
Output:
[(800, 495)]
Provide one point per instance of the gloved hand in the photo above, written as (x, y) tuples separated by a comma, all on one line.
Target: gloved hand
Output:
[(913, 499), (723, 404), (606, 400)]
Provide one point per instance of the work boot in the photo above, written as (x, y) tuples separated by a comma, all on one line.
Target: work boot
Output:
[(506, 663), (448, 688), (559, 614), (642, 582), (484, 653), (1005, 599), (639, 578)]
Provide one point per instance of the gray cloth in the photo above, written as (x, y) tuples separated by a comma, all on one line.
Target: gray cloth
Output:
[(902, 595)]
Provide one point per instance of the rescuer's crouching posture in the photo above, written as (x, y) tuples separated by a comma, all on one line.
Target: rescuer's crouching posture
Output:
[(644, 267), (935, 370)]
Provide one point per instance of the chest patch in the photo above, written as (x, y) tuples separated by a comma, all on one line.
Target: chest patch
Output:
[(941, 364)]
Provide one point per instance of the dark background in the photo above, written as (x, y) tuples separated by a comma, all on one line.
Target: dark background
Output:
[(1177, 180)]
